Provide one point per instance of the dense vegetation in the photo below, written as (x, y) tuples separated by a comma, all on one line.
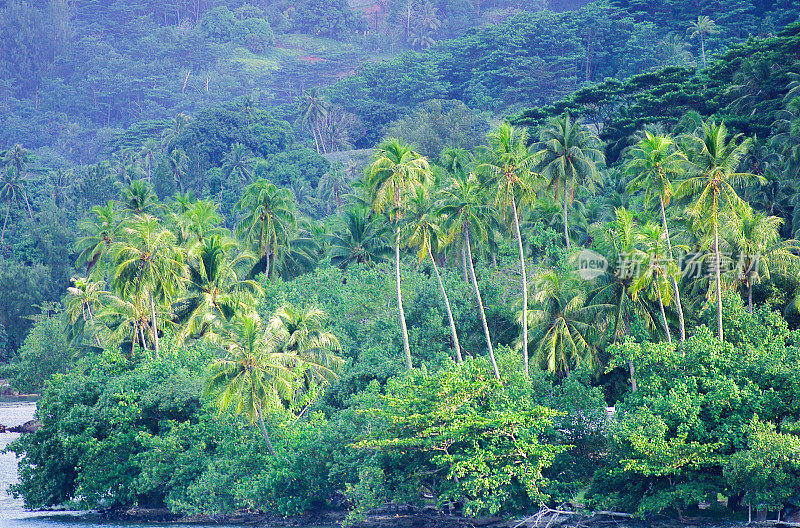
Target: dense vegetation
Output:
[(226, 306)]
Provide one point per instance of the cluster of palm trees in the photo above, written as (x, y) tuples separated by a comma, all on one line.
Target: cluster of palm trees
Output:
[(469, 199), (12, 183)]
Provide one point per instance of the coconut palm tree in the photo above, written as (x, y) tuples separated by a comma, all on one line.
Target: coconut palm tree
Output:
[(216, 288), (12, 190), (148, 154), (424, 232), (359, 239), (197, 219), (238, 163), (657, 272), (269, 221), (82, 300), (654, 162), (396, 170), (756, 239), (702, 27), (300, 334), (712, 186), (126, 318), (466, 213), (333, 185), (171, 134), (509, 163), (178, 163), (253, 378), (568, 154), (101, 233), (138, 198), (563, 323), (314, 108), (148, 263)]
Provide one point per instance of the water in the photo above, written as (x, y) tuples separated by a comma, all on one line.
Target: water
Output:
[(12, 512)]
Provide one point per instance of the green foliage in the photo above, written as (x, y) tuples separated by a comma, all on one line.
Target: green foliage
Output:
[(44, 353), (473, 440)]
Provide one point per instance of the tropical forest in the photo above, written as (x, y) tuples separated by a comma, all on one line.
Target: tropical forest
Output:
[(476, 258)]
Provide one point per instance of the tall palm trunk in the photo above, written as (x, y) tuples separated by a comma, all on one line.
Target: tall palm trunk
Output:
[(678, 304), (480, 304), (406, 348), (30, 213), (155, 324), (464, 263), (447, 307), (719, 281), (524, 287), (663, 317), (703, 49), (625, 331), (566, 227), (264, 432), (749, 295), (8, 212)]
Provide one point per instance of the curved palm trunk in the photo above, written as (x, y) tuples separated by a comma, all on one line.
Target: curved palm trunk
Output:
[(155, 324), (264, 432), (453, 332), (678, 304), (8, 211), (719, 282), (566, 227), (406, 348), (480, 304), (524, 288)]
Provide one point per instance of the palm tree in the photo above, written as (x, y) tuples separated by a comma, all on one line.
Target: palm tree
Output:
[(653, 162), (466, 212), (101, 233), (562, 322), (314, 108), (138, 198), (11, 190), (148, 154), (657, 272), (126, 317), (396, 170), (148, 263), (509, 162), (756, 238), (215, 289), (425, 233), (198, 219), (270, 219), (81, 297), (252, 378), (704, 26), (360, 239), (238, 162), (171, 134), (714, 161), (178, 163), (300, 334), (333, 185), (568, 153)]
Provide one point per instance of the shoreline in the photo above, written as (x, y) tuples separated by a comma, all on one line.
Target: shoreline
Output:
[(405, 516)]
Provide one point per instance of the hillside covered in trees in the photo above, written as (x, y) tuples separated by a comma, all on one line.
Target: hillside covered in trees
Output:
[(292, 256)]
